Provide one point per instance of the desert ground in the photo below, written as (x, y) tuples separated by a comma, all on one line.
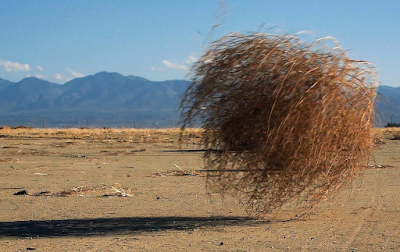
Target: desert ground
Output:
[(141, 190)]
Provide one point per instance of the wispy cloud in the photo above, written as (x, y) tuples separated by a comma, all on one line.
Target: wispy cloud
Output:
[(39, 68), (182, 66), (75, 74), (191, 59), (157, 69), (61, 77), (14, 66), (174, 65), (307, 32), (39, 76)]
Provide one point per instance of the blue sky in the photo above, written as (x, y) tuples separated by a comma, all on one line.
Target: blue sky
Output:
[(58, 40)]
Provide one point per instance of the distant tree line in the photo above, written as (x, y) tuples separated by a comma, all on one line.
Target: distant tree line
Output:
[(392, 124)]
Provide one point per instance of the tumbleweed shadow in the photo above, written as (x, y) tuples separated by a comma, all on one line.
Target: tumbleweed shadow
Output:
[(112, 226)]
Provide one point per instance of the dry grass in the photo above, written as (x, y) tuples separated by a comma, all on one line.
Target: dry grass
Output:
[(379, 136), (168, 135), (396, 136), (395, 133), (392, 132), (284, 121)]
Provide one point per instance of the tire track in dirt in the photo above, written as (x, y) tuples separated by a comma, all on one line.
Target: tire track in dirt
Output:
[(366, 213), (360, 236), (347, 221)]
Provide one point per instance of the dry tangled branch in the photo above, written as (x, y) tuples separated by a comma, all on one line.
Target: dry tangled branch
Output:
[(284, 121)]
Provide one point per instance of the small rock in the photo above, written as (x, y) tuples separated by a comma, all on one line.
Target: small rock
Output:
[(221, 243)]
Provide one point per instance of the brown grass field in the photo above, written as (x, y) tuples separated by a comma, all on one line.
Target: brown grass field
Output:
[(143, 190)]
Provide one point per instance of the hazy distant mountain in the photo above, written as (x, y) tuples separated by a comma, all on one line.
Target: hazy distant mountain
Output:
[(103, 95), (105, 91), (101, 91), (388, 105), (111, 99), (29, 94), (390, 91), (4, 84)]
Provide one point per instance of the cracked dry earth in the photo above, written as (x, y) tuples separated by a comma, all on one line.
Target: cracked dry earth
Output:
[(109, 195)]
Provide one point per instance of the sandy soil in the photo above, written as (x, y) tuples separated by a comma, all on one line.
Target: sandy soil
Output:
[(75, 202)]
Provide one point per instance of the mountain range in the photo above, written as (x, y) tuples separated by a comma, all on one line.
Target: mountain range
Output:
[(103, 99), (113, 100)]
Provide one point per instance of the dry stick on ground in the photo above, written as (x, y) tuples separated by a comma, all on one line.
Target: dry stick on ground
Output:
[(284, 121), (91, 191)]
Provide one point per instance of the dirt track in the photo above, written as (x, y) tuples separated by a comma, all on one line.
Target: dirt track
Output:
[(171, 213)]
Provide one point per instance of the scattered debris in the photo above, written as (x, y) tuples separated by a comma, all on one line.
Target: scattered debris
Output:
[(23, 192), (82, 191), (41, 174), (118, 192), (178, 167), (12, 188), (178, 172), (8, 160), (120, 153), (175, 173), (380, 166), (44, 193), (96, 191), (141, 150)]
